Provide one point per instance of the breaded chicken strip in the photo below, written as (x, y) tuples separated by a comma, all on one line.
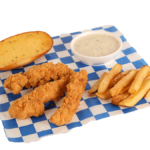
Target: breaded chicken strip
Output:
[(32, 104), (36, 76), (15, 82), (71, 102), (41, 74)]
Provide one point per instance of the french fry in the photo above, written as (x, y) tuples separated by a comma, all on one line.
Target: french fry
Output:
[(148, 77), (117, 78), (148, 74), (125, 89), (105, 82), (135, 98), (117, 99), (96, 85), (126, 72), (147, 94), (105, 95), (138, 80), (124, 82)]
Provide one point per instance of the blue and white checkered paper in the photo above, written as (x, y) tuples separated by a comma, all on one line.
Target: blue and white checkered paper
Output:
[(91, 108)]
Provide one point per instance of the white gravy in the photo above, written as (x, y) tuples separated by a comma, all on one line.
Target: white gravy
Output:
[(96, 45)]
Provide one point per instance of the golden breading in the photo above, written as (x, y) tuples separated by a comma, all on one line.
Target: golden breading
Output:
[(71, 102), (32, 103), (15, 82), (39, 75)]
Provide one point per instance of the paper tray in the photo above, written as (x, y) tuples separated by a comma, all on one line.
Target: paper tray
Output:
[(90, 109)]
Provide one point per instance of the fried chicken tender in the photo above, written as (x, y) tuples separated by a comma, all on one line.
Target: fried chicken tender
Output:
[(41, 74), (60, 70), (36, 76), (71, 102), (32, 104), (15, 82), (23, 108)]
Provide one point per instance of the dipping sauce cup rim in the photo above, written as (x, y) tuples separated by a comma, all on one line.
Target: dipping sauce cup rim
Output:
[(96, 32)]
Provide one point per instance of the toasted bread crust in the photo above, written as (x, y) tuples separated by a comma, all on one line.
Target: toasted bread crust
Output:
[(23, 62)]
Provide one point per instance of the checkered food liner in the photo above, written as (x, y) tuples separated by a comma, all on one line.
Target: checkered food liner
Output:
[(91, 108)]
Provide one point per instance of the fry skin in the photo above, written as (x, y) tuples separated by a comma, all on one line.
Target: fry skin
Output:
[(106, 81), (105, 95), (125, 89), (71, 101), (126, 72), (147, 77), (138, 80), (117, 78), (96, 85), (124, 82), (148, 74), (117, 99), (135, 98), (147, 94)]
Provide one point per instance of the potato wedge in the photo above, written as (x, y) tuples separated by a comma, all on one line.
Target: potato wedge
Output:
[(124, 82), (138, 80), (105, 95), (96, 85), (117, 99), (106, 81), (135, 98), (117, 78)]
